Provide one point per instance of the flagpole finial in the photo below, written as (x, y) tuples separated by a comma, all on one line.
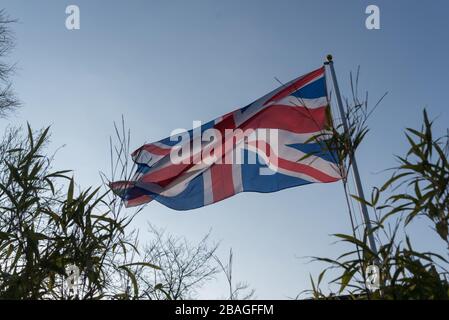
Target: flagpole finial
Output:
[(329, 58)]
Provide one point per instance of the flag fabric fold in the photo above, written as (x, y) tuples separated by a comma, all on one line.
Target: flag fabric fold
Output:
[(276, 142)]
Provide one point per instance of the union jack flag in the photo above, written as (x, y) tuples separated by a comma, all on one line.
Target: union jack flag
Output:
[(297, 112)]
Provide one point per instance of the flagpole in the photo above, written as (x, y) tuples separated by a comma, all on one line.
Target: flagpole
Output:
[(355, 169)]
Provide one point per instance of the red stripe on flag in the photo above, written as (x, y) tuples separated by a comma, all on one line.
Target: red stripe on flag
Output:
[(138, 201), (265, 148), (165, 175), (151, 148), (222, 182), (226, 123), (221, 174), (294, 119), (303, 168), (122, 185), (297, 84)]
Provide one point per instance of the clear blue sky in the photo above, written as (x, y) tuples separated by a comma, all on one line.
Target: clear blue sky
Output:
[(165, 63)]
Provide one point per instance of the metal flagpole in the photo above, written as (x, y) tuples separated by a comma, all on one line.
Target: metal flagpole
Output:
[(355, 169)]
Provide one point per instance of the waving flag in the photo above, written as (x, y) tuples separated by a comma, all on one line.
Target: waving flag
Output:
[(274, 143)]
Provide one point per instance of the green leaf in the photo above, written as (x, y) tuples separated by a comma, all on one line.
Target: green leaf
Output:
[(356, 241), (144, 264), (345, 278), (132, 276), (442, 229), (70, 191), (4, 236), (160, 287), (359, 199)]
